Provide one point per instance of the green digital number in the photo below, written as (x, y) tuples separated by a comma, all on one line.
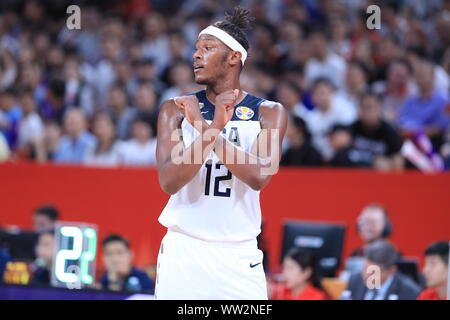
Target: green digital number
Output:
[(68, 254), (88, 256)]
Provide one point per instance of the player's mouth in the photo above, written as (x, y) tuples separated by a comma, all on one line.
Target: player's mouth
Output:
[(197, 68)]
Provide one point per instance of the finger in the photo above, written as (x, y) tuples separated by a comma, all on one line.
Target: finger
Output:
[(179, 102)]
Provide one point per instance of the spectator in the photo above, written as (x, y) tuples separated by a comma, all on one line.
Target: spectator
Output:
[(398, 87), (425, 112), (145, 72), (375, 142), (120, 273), (31, 127), (340, 141), (103, 74), (356, 83), (140, 150), (121, 112), (77, 91), (300, 151), (44, 218), (53, 107), (325, 63), (10, 115), (436, 271), (31, 77), (302, 279), (42, 266), (74, 144), (145, 101), (180, 76), (105, 152), (327, 113), (46, 146), (289, 94), (380, 279), (8, 69), (156, 41), (372, 224), (417, 55)]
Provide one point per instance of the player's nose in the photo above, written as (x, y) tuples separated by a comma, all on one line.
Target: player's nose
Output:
[(196, 55)]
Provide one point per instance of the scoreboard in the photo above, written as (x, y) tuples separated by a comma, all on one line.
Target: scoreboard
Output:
[(74, 255)]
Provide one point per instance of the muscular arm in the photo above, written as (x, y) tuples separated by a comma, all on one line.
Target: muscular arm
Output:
[(177, 165), (258, 167)]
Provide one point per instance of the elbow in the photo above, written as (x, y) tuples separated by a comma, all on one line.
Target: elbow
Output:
[(170, 190), (257, 184), (168, 187)]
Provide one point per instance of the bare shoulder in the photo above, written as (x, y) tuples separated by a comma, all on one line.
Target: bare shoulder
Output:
[(169, 114), (272, 111), (170, 107)]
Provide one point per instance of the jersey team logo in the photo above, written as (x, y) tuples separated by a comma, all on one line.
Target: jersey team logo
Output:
[(244, 113)]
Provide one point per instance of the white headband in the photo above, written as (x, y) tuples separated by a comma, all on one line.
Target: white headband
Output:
[(229, 41)]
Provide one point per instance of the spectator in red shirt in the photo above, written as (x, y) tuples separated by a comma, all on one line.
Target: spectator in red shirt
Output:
[(436, 271), (302, 280)]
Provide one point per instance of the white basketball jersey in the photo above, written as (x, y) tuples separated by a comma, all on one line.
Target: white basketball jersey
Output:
[(215, 205)]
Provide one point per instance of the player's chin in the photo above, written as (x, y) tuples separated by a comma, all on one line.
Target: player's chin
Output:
[(201, 79)]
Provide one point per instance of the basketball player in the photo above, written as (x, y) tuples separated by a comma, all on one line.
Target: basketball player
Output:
[(213, 215)]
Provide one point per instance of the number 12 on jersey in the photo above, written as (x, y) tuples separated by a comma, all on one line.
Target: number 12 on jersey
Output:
[(209, 169)]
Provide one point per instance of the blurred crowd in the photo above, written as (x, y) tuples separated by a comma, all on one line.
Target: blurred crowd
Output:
[(358, 97)]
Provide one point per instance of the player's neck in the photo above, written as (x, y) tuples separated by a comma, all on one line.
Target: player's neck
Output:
[(213, 90)]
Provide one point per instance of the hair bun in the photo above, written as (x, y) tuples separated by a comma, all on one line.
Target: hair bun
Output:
[(240, 17)]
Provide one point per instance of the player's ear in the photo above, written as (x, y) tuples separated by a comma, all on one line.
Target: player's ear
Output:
[(235, 58)]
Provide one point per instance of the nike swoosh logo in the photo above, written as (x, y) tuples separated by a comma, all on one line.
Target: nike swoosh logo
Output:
[(254, 265), (204, 112)]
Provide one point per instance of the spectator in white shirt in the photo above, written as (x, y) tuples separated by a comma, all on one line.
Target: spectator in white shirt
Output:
[(30, 126), (140, 150), (105, 152), (356, 79), (328, 112), (325, 63)]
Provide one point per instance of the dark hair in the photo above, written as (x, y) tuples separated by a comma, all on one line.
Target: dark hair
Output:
[(322, 80), (113, 238), (305, 259), (49, 232), (418, 51), (300, 124), (49, 211), (26, 92), (146, 62), (337, 128), (383, 253), (440, 248), (404, 62), (368, 94), (57, 87), (361, 66), (234, 24), (144, 117)]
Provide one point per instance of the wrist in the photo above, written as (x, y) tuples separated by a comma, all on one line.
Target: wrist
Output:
[(217, 125)]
